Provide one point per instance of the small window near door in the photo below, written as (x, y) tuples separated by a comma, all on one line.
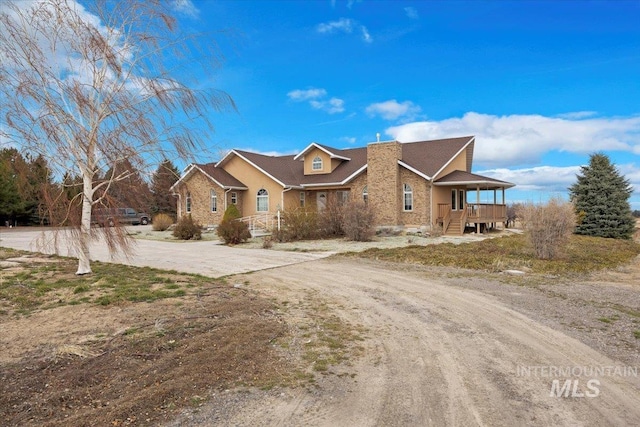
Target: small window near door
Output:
[(187, 206), (365, 195), (461, 194), (214, 201), (454, 200), (234, 198), (302, 199), (407, 192), (316, 165), (343, 197)]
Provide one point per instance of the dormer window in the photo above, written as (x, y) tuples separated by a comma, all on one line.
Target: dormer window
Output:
[(316, 165)]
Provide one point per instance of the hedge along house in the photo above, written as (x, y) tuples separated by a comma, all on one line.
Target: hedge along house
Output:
[(416, 185)]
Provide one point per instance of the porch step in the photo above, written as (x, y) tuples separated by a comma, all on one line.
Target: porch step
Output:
[(454, 229)]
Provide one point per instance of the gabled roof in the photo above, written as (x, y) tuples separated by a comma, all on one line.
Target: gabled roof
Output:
[(332, 152), (429, 158), (221, 177), (472, 180), (425, 158)]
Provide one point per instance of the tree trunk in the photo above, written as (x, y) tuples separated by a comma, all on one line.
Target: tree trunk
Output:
[(84, 261)]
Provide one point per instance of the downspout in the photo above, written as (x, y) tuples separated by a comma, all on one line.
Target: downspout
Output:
[(226, 193)]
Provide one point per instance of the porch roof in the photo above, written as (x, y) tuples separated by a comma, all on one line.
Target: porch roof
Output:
[(472, 181)]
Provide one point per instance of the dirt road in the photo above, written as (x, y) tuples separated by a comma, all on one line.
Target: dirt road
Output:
[(437, 354)]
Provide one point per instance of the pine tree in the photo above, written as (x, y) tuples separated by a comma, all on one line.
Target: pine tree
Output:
[(601, 197), (163, 178)]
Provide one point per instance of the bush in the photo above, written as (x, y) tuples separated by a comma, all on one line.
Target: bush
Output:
[(298, 224), (161, 222), (231, 213), (187, 229), (357, 222), (330, 219), (549, 226), (232, 231)]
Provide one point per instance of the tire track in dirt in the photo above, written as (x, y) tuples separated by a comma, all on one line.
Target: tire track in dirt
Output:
[(436, 355)]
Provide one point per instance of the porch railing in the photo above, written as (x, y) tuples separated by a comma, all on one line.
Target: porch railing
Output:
[(262, 222), (486, 212)]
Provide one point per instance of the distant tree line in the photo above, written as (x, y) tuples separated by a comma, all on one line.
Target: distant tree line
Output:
[(31, 195)]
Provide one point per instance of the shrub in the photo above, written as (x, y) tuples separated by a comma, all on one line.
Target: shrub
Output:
[(231, 212), (187, 229), (232, 231), (267, 243), (357, 222), (161, 222), (298, 224), (549, 226), (330, 219)]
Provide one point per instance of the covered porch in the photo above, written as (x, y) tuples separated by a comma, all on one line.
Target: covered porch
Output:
[(472, 200)]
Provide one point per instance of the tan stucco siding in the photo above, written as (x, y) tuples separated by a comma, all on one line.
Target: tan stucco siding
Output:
[(420, 215), (308, 162), (291, 199), (254, 180), (458, 163)]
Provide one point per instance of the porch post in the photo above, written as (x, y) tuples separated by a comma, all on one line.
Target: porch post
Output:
[(479, 210), (495, 202)]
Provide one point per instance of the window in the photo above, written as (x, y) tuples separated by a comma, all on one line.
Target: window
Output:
[(234, 198), (262, 201), (365, 195), (302, 199), (316, 165), (214, 201), (343, 197), (454, 199), (408, 197), (461, 194), (188, 203)]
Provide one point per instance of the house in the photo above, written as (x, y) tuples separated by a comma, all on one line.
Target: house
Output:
[(413, 185)]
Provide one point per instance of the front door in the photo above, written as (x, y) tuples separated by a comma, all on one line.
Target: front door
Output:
[(321, 200)]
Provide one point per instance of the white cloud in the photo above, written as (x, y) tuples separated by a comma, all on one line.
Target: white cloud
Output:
[(344, 25), (315, 97), (392, 110), (332, 106), (306, 94), (548, 179), (524, 139), (349, 139), (186, 7), (411, 12)]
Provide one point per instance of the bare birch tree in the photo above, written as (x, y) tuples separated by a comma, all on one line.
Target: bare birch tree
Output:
[(88, 87)]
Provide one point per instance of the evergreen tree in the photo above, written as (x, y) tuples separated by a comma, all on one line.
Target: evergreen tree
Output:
[(164, 177), (601, 197), (10, 201)]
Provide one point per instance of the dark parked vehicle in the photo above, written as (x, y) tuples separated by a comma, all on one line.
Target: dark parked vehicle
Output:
[(120, 216)]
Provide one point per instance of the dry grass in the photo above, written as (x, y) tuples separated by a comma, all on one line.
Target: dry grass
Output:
[(582, 254)]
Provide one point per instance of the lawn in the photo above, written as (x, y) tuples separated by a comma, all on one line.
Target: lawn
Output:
[(581, 255)]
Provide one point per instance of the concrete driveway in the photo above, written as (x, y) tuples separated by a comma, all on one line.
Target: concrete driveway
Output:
[(202, 257)]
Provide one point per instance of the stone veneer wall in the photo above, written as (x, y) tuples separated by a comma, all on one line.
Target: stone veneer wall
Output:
[(421, 214), (383, 182), (200, 188)]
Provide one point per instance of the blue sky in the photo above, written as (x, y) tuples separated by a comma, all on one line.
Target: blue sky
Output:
[(542, 84)]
